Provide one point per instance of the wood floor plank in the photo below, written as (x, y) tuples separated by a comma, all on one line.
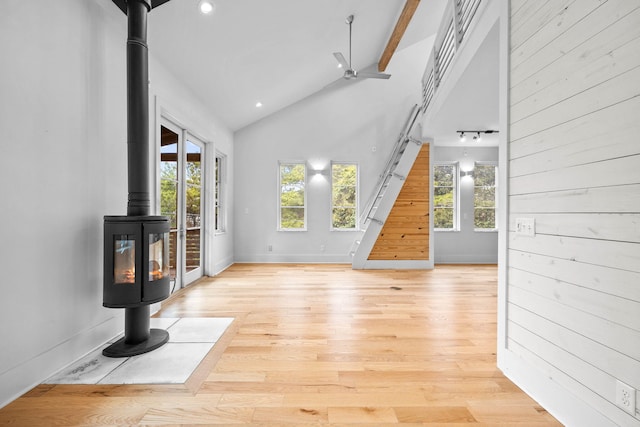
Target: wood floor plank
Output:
[(323, 345)]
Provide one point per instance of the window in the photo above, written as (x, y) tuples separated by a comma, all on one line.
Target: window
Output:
[(292, 213), (445, 197), (344, 196), (219, 189), (484, 197)]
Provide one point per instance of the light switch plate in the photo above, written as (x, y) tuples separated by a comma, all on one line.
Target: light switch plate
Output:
[(526, 226)]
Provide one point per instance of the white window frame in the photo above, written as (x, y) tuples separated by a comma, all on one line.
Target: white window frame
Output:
[(279, 198), (495, 207), (220, 190), (456, 196), (357, 207)]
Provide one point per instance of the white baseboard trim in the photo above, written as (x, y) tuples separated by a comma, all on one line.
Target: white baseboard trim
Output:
[(397, 265), (221, 266), (294, 259), (20, 379), (467, 259)]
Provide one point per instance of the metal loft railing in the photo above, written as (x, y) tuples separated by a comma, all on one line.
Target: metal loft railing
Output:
[(455, 25), (368, 214)]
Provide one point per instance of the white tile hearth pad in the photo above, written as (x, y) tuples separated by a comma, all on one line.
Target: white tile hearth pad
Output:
[(190, 339)]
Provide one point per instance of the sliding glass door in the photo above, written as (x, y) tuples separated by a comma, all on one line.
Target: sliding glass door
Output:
[(181, 199)]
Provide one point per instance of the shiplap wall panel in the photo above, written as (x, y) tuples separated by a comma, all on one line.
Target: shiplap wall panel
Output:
[(538, 17), (616, 309), (610, 92), (584, 72), (589, 175), (599, 126), (620, 227), (611, 335), (614, 363), (622, 255), (582, 18), (620, 199), (613, 42), (584, 150), (574, 288), (565, 372), (607, 280)]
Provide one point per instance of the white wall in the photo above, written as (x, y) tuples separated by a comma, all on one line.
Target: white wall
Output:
[(340, 125), (465, 245), (573, 290), (63, 167)]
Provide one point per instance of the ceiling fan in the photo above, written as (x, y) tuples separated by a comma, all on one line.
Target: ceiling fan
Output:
[(349, 72)]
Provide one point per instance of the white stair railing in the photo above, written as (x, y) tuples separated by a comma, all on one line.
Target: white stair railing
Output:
[(368, 214), (457, 19), (386, 191)]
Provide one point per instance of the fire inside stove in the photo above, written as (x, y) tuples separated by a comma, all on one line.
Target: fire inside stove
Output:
[(136, 260), (124, 259)]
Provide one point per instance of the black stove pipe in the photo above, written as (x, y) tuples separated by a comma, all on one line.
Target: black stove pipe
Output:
[(138, 337), (136, 319), (138, 108)]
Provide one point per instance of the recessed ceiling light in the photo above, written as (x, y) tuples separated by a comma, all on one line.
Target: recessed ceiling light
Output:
[(258, 104), (206, 7)]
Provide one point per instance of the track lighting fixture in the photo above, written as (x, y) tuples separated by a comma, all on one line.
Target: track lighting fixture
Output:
[(478, 134)]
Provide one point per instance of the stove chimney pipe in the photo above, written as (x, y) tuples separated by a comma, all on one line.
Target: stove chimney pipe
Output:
[(138, 108)]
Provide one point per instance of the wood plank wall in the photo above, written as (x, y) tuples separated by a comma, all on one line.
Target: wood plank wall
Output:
[(574, 158), (405, 234)]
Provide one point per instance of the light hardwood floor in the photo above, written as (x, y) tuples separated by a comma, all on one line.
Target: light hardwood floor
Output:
[(321, 345)]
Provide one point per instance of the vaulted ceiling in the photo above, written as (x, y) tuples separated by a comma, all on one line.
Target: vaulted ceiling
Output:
[(275, 52)]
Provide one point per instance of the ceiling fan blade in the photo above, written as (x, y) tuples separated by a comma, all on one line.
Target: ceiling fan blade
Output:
[(343, 62), (337, 84), (369, 75)]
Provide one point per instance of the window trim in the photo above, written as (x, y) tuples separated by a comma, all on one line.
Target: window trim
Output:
[(495, 207), (357, 207), (456, 196), (220, 184), (279, 198)]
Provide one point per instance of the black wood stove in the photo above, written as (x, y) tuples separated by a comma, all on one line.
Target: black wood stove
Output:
[(136, 246)]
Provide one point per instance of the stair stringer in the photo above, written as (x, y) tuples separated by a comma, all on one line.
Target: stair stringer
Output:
[(375, 224)]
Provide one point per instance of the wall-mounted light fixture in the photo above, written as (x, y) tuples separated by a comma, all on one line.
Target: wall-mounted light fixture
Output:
[(466, 170), (478, 134)]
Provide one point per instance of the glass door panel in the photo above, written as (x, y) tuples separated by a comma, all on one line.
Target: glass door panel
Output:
[(193, 207), (181, 199), (169, 194)]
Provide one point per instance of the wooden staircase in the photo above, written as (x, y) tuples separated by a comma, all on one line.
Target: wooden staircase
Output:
[(396, 219)]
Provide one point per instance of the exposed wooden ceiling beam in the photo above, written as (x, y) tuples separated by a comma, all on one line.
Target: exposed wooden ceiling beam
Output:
[(401, 26)]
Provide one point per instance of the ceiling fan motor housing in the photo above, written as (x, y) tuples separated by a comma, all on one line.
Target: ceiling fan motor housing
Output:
[(350, 74)]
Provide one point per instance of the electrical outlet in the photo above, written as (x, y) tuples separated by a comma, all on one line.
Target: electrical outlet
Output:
[(626, 397), (321, 248), (270, 248)]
